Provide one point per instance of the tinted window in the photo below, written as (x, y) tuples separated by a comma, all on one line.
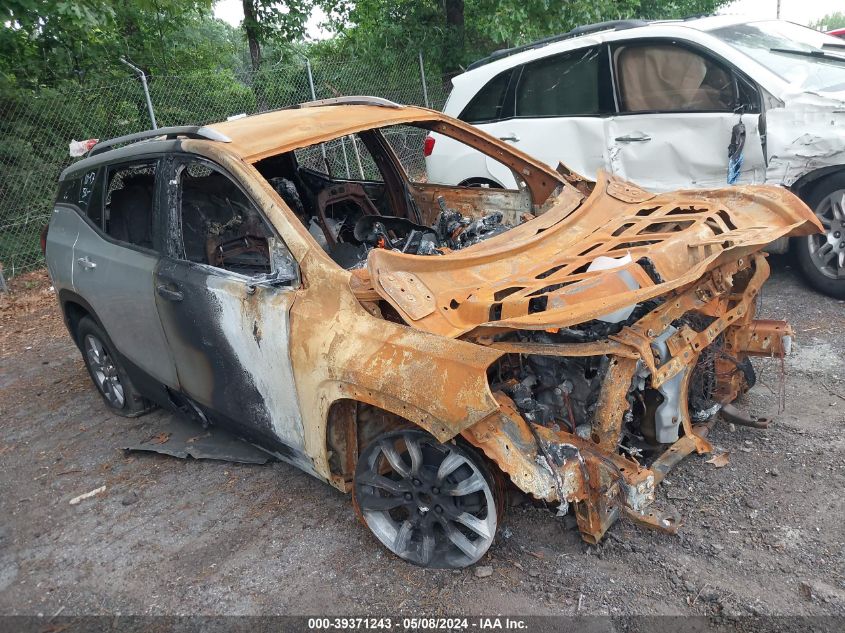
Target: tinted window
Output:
[(489, 103), (129, 203), (220, 225), (571, 84), (68, 191), (90, 198), (670, 78)]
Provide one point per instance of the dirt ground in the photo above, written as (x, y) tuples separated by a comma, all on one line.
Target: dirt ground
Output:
[(763, 535)]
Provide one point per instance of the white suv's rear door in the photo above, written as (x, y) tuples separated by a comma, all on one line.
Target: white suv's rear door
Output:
[(677, 116), (559, 107), (553, 108)]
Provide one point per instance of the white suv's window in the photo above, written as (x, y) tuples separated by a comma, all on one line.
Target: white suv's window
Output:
[(570, 84), (670, 78), (489, 103)]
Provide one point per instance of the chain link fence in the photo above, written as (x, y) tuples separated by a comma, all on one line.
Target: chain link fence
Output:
[(36, 129)]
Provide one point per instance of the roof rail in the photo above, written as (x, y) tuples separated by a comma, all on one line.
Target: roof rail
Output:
[(349, 100), (189, 131), (611, 25)]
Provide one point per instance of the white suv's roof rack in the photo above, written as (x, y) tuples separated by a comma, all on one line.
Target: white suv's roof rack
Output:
[(611, 25)]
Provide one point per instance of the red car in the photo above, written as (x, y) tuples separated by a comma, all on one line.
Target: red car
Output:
[(837, 32)]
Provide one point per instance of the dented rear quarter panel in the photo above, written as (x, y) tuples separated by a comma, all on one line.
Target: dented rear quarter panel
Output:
[(804, 135)]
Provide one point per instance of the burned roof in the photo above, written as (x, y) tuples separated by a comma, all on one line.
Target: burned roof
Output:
[(262, 135)]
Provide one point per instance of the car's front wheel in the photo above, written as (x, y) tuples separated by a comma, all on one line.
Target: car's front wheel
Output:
[(106, 372), (429, 503), (821, 257)]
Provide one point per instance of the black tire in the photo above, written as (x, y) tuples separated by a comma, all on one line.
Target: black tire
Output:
[(106, 372), (480, 183), (434, 505), (830, 279)]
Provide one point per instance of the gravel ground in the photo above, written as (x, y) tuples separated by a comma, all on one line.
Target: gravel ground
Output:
[(763, 535)]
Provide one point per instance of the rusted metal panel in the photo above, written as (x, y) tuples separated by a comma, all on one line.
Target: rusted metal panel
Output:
[(542, 264), (763, 337)]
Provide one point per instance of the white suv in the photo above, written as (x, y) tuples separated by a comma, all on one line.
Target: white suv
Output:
[(694, 103)]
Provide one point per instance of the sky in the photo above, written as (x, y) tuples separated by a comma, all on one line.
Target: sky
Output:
[(800, 11)]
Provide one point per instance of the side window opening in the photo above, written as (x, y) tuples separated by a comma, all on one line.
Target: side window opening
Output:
[(348, 218), (344, 158), (575, 83), (671, 78), (220, 225), (130, 194), (408, 143), (489, 103)]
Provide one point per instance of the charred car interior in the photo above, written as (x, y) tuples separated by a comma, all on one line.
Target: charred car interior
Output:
[(436, 344), (379, 205)]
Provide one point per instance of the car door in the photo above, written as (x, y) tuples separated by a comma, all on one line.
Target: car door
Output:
[(556, 107), (224, 300), (680, 109), (117, 248)]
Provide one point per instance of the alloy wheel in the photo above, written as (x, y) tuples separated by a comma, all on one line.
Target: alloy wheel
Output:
[(827, 250), (104, 371), (429, 503)]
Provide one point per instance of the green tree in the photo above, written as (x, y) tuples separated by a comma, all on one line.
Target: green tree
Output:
[(48, 42), (457, 31), (829, 22), (268, 20)]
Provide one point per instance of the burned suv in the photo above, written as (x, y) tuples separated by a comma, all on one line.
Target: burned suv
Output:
[(296, 276)]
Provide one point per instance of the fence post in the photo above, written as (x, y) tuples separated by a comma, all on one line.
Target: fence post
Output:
[(146, 91), (310, 78), (314, 98), (422, 76)]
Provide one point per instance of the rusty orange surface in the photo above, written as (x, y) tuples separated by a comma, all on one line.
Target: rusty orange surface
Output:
[(504, 281)]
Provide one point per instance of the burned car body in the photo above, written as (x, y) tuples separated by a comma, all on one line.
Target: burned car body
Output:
[(422, 346)]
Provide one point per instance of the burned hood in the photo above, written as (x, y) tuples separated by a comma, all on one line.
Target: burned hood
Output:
[(558, 269)]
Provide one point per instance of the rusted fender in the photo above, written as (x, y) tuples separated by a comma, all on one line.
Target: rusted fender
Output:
[(506, 440)]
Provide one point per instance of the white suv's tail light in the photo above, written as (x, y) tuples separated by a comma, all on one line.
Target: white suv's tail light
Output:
[(428, 145)]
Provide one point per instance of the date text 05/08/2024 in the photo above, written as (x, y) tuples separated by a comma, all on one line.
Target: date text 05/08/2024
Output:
[(416, 624)]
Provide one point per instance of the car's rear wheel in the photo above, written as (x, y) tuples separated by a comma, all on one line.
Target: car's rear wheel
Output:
[(106, 372), (821, 257), (429, 503)]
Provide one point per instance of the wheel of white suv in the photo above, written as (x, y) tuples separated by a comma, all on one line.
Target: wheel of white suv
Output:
[(432, 504), (106, 372), (821, 257)]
